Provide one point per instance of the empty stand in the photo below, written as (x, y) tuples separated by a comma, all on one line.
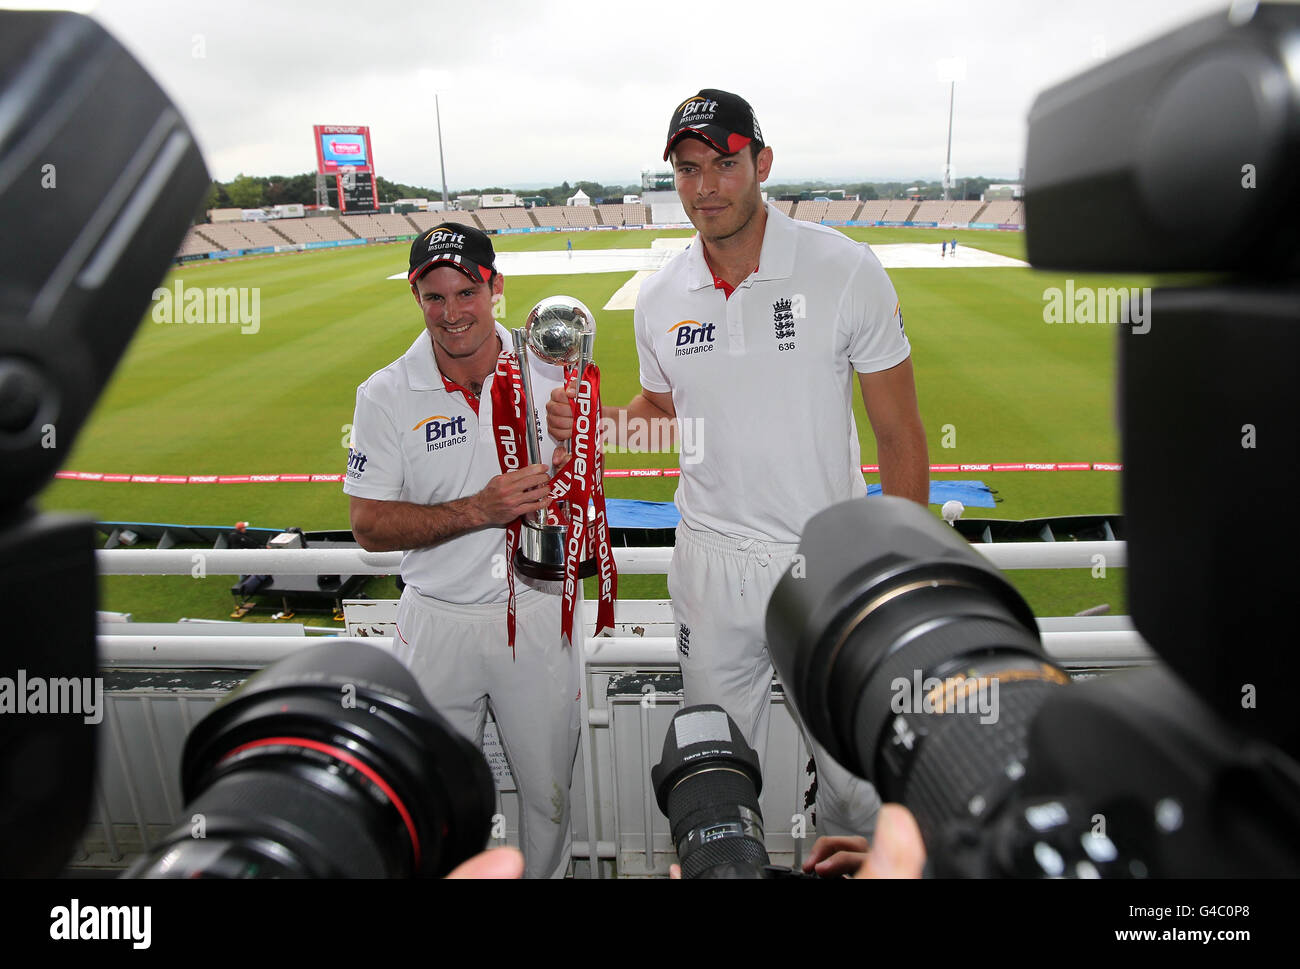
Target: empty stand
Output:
[(317, 229), (810, 211), (841, 210), (195, 245), (492, 220), (551, 216), (580, 216), (1005, 212), (964, 211), (377, 226), (931, 210), (784, 208), (240, 235), (873, 211), (518, 218), (899, 211)]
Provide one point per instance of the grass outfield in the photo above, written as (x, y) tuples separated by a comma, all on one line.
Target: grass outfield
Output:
[(205, 399)]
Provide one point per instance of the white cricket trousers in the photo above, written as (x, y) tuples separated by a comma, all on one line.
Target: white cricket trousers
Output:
[(460, 656), (720, 588)]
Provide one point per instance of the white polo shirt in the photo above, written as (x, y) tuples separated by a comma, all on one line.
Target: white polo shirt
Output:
[(766, 375), (414, 440)]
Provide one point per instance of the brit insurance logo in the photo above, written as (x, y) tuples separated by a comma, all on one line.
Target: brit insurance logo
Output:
[(356, 463), (692, 336), (441, 431), (445, 239), (697, 109)]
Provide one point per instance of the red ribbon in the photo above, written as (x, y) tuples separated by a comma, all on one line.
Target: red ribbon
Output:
[(577, 483), (580, 482), (512, 454)]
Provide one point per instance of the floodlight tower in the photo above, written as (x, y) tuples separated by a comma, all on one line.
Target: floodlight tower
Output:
[(947, 165), (952, 70), (441, 164)]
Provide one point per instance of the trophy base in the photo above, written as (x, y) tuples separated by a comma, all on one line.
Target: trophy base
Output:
[(550, 572)]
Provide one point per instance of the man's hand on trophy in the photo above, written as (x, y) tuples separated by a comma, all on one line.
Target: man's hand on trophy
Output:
[(514, 493), (559, 420)]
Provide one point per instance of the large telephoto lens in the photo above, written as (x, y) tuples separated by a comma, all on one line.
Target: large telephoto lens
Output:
[(707, 785), (910, 658), (330, 763)]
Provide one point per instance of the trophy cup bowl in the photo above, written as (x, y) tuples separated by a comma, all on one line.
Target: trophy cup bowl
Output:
[(559, 330)]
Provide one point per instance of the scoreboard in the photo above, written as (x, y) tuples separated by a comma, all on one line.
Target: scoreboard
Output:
[(344, 152)]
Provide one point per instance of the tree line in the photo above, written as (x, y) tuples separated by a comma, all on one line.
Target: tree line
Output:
[(258, 191)]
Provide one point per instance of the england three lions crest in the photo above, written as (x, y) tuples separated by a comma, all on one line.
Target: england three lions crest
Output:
[(783, 319)]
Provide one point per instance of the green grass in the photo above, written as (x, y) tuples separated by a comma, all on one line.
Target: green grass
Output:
[(192, 399)]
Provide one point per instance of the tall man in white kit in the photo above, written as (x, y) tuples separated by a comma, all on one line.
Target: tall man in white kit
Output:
[(424, 477), (750, 337)]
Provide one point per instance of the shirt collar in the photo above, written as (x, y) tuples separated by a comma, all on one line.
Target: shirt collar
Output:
[(775, 260), (422, 371)]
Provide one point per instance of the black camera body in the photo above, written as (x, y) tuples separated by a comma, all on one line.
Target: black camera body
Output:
[(1171, 158)]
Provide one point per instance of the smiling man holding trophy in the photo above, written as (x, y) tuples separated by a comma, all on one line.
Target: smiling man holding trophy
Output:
[(428, 475)]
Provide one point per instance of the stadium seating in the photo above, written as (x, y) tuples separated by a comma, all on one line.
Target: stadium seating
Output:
[(810, 211), (899, 211), (492, 220), (394, 224), (931, 210), (195, 245), (377, 226), (580, 216), (964, 211), (460, 218), (841, 210), (518, 218), (784, 207), (873, 211), (240, 235), (315, 229), (427, 220), (622, 214), (1004, 212), (551, 216)]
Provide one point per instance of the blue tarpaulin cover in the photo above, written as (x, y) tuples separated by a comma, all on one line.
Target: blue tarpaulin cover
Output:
[(627, 513)]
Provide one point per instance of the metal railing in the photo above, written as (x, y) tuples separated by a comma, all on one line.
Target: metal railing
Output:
[(1074, 642)]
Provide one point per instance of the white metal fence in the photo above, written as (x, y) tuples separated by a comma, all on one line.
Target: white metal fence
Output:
[(162, 680)]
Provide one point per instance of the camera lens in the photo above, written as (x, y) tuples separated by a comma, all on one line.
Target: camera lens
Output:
[(707, 785), (917, 666), (330, 763)]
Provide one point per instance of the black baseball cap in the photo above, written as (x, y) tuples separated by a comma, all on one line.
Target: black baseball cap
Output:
[(723, 120), (462, 246)]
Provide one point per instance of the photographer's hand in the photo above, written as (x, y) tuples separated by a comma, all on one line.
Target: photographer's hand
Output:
[(896, 850), (494, 863)]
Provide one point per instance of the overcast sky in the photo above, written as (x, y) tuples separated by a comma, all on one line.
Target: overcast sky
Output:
[(542, 92)]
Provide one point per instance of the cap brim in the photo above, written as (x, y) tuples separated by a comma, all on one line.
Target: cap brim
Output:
[(719, 139), (476, 272)]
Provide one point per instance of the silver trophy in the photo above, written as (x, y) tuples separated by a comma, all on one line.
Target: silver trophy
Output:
[(560, 330)]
